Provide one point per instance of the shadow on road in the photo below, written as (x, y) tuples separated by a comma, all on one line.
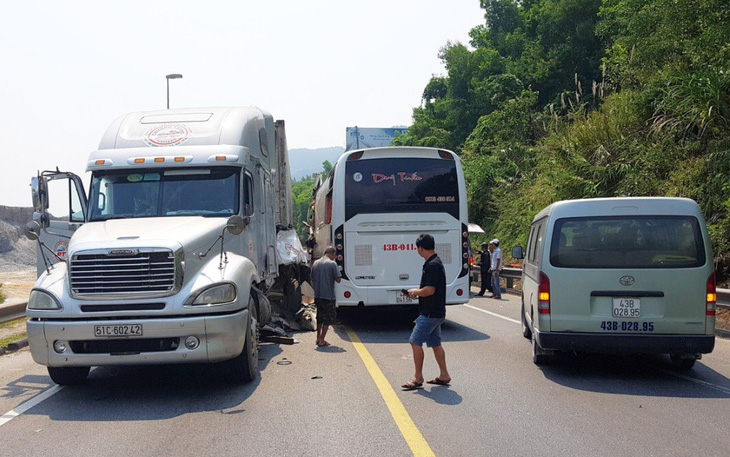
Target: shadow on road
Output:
[(649, 375), (144, 393), (388, 325)]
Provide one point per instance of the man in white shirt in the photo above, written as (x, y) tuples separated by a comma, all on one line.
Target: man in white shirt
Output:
[(496, 258)]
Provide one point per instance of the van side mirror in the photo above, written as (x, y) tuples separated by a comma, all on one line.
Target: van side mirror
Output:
[(32, 230), (517, 252), (236, 224)]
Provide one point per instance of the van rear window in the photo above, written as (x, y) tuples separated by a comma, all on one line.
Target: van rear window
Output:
[(627, 242)]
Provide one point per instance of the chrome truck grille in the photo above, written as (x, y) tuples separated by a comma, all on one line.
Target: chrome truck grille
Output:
[(125, 273)]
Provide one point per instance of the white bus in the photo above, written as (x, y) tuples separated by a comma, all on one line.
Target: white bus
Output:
[(372, 207)]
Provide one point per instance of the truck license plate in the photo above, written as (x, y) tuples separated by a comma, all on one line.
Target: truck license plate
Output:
[(118, 330), (626, 307)]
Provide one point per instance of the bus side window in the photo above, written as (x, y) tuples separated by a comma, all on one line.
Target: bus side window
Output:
[(328, 208)]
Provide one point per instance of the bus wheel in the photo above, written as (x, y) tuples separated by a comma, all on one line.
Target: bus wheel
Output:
[(245, 367), (68, 376)]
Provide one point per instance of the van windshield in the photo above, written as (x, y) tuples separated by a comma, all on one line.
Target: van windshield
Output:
[(401, 185), (627, 242), (164, 192)]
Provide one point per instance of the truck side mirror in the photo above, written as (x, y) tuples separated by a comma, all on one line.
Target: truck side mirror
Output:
[(236, 224), (32, 230), (39, 192), (517, 252)]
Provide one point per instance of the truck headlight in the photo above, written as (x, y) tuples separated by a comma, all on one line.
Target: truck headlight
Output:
[(219, 293), (42, 301)]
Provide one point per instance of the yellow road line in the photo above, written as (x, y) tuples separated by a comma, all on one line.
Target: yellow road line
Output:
[(408, 429)]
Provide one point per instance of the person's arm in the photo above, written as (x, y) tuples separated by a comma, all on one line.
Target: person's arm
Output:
[(425, 291)]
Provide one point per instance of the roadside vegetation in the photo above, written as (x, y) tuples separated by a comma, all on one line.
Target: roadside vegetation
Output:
[(562, 99), (2, 294), (302, 200), (11, 332)]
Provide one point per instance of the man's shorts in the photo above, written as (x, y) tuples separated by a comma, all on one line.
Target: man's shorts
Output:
[(326, 314), (427, 330)]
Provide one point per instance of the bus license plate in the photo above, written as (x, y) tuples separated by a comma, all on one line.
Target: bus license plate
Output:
[(626, 307), (400, 297), (118, 330)]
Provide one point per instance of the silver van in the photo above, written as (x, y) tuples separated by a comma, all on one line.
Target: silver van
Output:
[(619, 275)]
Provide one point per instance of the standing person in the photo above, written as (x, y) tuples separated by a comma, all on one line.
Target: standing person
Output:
[(485, 266), (432, 313), (496, 268), (324, 275)]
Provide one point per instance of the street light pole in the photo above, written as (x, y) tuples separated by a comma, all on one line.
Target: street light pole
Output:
[(168, 78)]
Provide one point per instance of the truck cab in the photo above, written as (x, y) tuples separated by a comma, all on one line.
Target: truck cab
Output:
[(171, 254)]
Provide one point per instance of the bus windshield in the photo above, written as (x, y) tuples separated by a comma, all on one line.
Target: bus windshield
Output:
[(164, 192), (401, 185)]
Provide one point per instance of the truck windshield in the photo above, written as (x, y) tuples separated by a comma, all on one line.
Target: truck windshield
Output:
[(164, 192), (627, 242)]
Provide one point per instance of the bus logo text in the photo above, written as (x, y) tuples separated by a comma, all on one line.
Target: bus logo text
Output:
[(401, 175)]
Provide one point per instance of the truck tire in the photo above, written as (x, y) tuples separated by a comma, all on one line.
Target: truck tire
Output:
[(68, 376), (245, 367)]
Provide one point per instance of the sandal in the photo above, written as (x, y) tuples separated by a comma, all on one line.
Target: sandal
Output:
[(412, 385), (439, 382)]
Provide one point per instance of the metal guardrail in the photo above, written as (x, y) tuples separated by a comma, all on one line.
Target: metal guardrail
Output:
[(723, 298), (509, 273), (12, 312)]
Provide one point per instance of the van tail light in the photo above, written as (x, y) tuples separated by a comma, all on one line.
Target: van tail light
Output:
[(543, 294), (471, 261), (711, 296)]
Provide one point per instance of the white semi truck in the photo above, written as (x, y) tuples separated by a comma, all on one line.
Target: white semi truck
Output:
[(172, 254)]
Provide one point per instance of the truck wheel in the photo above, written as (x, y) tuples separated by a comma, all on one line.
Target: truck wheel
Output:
[(67, 376), (526, 332), (245, 367), (539, 355), (682, 363)]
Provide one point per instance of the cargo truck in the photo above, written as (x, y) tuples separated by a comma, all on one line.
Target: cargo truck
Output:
[(172, 255)]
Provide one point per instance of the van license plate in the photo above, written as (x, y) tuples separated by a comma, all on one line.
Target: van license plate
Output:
[(626, 307), (118, 330), (400, 297)]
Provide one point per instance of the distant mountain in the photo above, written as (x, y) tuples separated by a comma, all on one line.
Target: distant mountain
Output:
[(16, 251), (304, 162)]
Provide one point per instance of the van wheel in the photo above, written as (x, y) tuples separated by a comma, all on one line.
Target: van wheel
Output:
[(539, 355), (68, 376), (682, 363), (245, 367), (526, 332)]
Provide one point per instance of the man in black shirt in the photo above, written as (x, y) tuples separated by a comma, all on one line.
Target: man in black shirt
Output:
[(484, 265), (432, 313)]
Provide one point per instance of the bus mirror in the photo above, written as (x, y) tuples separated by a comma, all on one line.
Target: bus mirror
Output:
[(236, 224), (32, 230), (517, 252)]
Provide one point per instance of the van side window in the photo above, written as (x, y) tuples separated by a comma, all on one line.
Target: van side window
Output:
[(539, 235), (530, 242)]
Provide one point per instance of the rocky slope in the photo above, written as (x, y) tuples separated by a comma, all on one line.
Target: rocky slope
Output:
[(16, 251)]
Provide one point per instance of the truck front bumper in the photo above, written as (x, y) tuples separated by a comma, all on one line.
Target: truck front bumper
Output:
[(221, 337)]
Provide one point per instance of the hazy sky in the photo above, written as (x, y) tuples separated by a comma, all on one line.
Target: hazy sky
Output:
[(69, 68)]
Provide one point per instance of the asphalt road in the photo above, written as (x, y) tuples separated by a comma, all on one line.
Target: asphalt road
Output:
[(345, 400)]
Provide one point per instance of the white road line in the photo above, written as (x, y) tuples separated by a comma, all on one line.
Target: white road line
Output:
[(722, 389), (10, 415), (494, 314)]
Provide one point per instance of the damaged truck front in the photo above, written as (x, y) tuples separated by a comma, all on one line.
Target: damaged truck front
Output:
[(172, 255)]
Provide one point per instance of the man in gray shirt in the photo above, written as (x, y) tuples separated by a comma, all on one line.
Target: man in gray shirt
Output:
[(325, 273)]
